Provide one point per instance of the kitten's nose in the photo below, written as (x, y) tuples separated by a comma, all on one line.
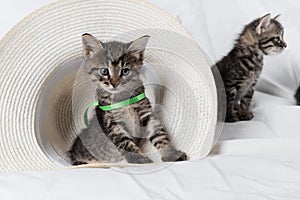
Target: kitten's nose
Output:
[(284, 44), (114, 83)]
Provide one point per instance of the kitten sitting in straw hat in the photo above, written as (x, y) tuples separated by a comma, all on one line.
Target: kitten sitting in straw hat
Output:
[(123, 111)]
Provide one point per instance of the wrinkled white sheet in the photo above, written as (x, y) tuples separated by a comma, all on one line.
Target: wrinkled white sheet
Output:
[(256, 160), (231, 176)]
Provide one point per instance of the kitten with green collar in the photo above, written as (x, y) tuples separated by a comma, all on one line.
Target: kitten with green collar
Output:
[(116, 134)]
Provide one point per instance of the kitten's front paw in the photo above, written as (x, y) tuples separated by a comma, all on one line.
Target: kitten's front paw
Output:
[(137, 158), (169, 154), (246, 116), (144, 160), (183, 156), (232, 118)]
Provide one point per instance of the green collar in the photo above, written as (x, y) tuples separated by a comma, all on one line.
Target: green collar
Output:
[(115, 106)]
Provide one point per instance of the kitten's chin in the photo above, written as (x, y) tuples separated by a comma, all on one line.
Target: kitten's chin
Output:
[(113, 90), (273, 53), (281, 50)]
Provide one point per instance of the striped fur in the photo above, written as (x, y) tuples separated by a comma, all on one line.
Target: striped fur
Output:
[(115, 68), (241, 68)]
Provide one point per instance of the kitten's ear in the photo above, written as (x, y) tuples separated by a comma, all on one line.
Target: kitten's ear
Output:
[(90, 45), (264, 22), (277, 16), (138, 46)]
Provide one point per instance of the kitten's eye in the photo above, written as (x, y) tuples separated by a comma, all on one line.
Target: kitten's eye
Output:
[(104, 71), (125, 71)]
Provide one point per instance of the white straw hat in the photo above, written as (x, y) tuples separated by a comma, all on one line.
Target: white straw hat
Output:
[(41, 55)]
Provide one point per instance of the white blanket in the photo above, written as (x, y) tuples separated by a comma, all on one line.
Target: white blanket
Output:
[(256, 160), (261, 171)]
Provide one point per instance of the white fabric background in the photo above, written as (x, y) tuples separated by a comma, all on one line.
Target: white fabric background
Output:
[(257, 160), (12, 11)]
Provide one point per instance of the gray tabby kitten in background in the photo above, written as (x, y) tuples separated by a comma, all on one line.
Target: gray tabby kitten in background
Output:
[(241, 68), (297, 96), (115, 67)]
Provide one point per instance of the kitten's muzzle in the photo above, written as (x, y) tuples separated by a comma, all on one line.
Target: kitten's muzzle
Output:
[(283, 44), (114, 81)]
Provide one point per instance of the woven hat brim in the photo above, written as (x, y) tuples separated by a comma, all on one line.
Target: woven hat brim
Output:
[(49, 38)]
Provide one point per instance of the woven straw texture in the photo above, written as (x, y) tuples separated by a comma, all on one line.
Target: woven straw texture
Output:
[(39, 60)]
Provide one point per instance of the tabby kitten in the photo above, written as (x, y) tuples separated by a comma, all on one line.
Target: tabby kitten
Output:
[(297, 96), (241, 68), (115, 68)]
